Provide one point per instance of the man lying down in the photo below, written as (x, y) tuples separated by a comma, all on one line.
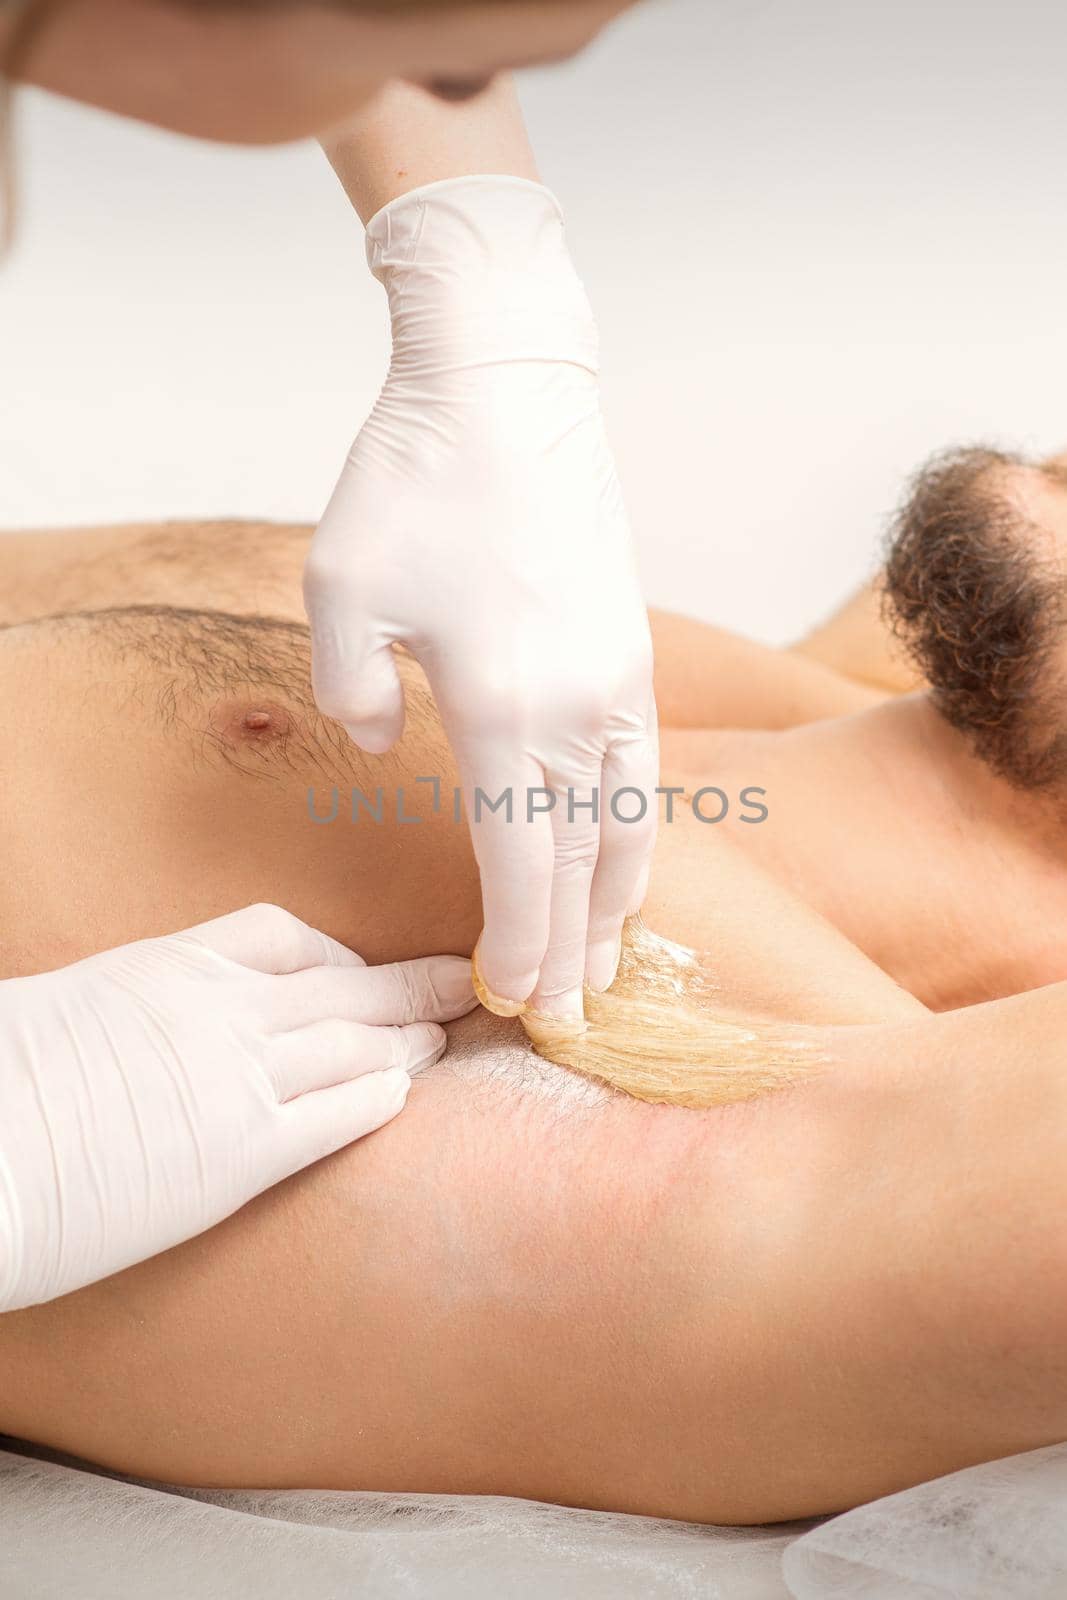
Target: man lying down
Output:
[(781, 1306)]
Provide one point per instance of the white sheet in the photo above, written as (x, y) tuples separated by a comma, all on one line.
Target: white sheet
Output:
[(70, 1532), (995, 1532)]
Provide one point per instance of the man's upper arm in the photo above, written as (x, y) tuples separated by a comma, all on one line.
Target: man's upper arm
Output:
[(708, 677), (857, 644)]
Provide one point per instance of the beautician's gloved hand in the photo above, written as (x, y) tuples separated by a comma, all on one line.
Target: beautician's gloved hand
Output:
[(479, 521), (148, 1092)]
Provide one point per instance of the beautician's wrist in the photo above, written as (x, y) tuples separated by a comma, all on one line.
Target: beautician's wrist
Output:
[(479, 266), (500, 210), (406, 139)]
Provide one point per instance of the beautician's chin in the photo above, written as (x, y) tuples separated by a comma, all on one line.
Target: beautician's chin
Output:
[(270, 74), (456, 91)]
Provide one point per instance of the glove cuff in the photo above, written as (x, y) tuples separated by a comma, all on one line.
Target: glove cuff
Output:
[(477, 271), (12, 1242)]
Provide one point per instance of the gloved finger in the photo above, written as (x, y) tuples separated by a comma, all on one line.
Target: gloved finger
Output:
[(576, 842), (354, 678), (627, 838), (267, 938), (514, 851), (315, 1125), (432, 989), (332, 1051)]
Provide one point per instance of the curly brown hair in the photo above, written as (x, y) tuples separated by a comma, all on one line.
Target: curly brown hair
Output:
[(981, 611)]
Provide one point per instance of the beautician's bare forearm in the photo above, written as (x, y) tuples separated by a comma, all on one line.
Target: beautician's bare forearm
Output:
[(406, 139)]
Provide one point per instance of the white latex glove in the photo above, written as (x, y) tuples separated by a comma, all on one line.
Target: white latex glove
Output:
[(480, 522), (148, 1092)]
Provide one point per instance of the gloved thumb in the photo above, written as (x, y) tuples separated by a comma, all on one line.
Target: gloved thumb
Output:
[(357, 686)]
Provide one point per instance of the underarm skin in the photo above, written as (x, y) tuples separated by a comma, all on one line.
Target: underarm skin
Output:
[(766, 1311)]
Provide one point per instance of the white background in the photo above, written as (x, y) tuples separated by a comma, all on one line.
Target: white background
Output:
[(823, 240)]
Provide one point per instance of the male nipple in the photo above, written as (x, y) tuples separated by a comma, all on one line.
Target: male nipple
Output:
[(249, 722)]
